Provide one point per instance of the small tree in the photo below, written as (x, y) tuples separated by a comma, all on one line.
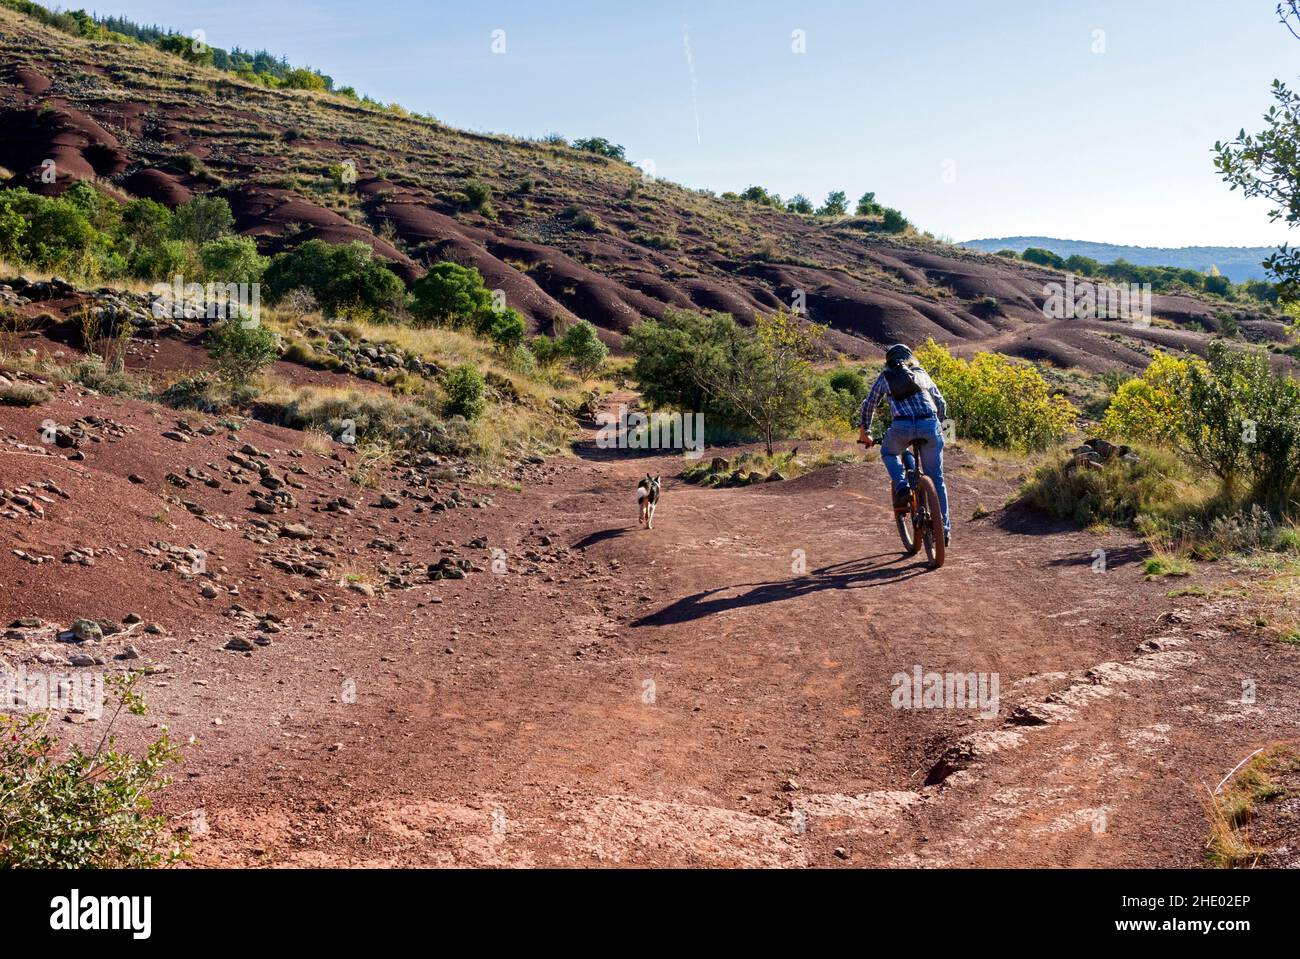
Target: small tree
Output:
[(867, 206), (837, 204), (201, 220), (768, 376), (505, 328), (893, 221), (1244, 422), (546, 350), (583, 347), (239, 352), (1043, 257), (345, 277), (450, 292), (601, 146), (799, 204), (232, 259), (186, 47)]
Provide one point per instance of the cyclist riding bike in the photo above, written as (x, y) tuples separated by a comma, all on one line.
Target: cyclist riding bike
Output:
[(918, 408)]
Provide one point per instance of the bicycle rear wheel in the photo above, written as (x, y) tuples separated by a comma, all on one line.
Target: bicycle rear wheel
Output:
[(907, 532), (931, 531)]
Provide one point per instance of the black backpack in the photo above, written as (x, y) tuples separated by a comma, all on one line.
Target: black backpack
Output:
[(901, 382)]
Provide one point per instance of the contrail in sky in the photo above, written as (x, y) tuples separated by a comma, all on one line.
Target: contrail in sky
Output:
[(690, 65)]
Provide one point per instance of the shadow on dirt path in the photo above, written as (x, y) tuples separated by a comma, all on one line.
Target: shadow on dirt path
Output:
[(855, 574)]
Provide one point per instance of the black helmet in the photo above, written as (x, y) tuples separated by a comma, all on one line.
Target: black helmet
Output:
[(897, 355)]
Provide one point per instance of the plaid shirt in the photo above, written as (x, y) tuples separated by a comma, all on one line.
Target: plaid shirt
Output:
[(925, 403)]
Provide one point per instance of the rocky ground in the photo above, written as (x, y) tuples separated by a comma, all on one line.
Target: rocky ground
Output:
[(428, 672)]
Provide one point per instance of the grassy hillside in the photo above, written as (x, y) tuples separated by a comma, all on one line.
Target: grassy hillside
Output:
[(563, 233)]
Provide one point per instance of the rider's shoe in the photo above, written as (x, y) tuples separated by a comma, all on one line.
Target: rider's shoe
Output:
[(903, 497), (947, 538)]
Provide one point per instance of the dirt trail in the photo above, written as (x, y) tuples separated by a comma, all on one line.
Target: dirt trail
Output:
[(716, 691), (687, 696)]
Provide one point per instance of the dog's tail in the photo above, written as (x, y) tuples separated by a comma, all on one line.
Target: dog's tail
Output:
[(642, 492)]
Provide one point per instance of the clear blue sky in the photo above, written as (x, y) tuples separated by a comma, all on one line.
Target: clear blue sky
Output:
[(976, 119)]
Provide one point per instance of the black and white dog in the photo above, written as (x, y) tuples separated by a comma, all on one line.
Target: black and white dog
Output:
[(647, 497)]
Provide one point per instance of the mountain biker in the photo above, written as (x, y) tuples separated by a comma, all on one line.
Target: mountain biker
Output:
[(918, 409)]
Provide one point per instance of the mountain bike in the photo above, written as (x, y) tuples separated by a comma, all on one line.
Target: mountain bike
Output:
[(920, 521)]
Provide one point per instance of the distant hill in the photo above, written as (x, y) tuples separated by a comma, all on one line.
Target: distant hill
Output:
[(1237, 263)]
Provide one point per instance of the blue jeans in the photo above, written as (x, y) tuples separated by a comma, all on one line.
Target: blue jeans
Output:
[(894, 449)]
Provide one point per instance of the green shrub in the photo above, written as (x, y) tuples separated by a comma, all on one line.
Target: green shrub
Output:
[(1083, 265), (546, 350), (162, 260), (759, 195), (504, 328), (1043, 257), (867, 206), (1207, 533), (673, 357), (300, 78), (893, 222), (94, 373), (845, 391), (837, 204), (343, 278), (583, 219), (478, 195), (185, 48), (240, 351), (450, 293), (1229, 414), (465, 390), (1117, 494), (56, 234), (799, 204), (22, 394), (601, 146), (202, 219), (61, 808), (997, 400), (300, 352), (756, 379), (232, 259), (13, 228), (1217, 284), (584, 349), (146, 222), (851, 382)]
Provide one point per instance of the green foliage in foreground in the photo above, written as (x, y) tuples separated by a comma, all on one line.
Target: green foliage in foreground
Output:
[(64, 808), (1230, 415)]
